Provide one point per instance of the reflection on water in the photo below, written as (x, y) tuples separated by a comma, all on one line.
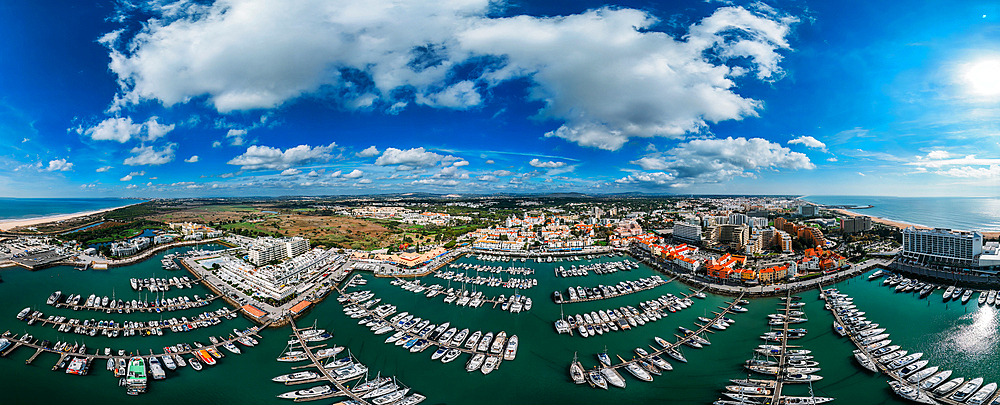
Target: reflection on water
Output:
[(972, 337)]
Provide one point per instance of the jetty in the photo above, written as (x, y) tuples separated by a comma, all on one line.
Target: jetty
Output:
[(653, 282)]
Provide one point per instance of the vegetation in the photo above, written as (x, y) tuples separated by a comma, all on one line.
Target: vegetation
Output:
[(113, 231)]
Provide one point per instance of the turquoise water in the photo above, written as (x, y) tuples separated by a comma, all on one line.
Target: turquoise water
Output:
[(962, 213), (963, 338), (21, 208)]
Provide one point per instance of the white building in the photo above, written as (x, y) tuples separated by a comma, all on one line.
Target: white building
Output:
[(687, 232), (942, 246)]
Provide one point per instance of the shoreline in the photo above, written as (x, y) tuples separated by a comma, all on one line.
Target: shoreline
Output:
[(902, 225), (8, 224)]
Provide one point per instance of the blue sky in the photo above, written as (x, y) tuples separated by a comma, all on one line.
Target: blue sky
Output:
[(320, 97)]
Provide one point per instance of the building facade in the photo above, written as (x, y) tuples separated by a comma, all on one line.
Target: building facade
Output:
[(942, 246)]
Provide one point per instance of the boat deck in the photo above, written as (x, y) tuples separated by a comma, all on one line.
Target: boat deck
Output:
[(46, 322), (634, 290), (152, 308), (339, 388)]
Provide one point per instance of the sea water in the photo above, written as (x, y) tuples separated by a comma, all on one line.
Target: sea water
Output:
[(22, 208), (953, 336), (960, 213)]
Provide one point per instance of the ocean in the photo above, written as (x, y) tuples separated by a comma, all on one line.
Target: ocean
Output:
[(24, 208), (954, 336), (959, 213)]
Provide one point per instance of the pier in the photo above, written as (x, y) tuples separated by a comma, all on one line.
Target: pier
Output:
[(152, 308), (68, 323), (884, 370), (634, 290), (702, 328), (341, 390)]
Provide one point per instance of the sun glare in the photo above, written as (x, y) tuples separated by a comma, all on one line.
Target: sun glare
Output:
[(983, 78)]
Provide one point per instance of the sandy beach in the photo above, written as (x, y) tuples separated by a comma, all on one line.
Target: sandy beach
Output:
[(902, 225), (6, 225)]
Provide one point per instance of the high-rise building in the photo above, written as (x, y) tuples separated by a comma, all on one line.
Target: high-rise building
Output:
[(807, 210), (856, 224), (735, 235), (942, 246), (738, 219), (811, 235), (779, 223), (687, 232)]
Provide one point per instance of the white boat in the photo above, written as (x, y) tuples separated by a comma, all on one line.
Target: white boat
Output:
[(965, 391), (309, 393), (638, 372), (490, 364), (613, 377), (935, 380), (911, 393), (865, 361), (980, 397), (475, 362), (511, 351), (922, 374), (949, 386), (296, 377)]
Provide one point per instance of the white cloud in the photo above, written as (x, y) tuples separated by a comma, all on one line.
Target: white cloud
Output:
[(937, 154), (290, 172), (365, 181), (128, 177), (147, 155), (991, 172), (155, 130), (369, 152), (354, 174), (489, 162), (131, 186), (656, 178), (25, 140), (461, 163), (216, 144), (487, 177), (861, 174), (548, 165), (265, 157), (336, 173), (437, 182), (103, 169), (833, 159), (409, 158), (808, 142), (713, 160), (192, 159), (118, 129), (604, 73), (236, 136), (970, 160), (503, 173), (58, 165)]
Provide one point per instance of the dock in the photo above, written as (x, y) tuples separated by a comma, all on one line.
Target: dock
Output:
[(340, 389), (46, 322), (635, 290), (152, 308), (882, 369), (673, 346)]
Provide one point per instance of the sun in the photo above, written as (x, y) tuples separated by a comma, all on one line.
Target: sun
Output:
[(983, 78)]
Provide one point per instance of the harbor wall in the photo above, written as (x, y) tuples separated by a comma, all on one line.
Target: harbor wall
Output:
[(962, 278)]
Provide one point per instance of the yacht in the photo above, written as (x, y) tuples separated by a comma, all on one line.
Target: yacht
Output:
[(490, 364), (498, 342), (613, 377), (922, 374), (967, 389), (309, 393), (911, 393), (296, 377), (949, 386), (576, 371), (980, 397), (452, 354), (935, 380), (947, 293), (135, 377), (638, 372), (865, 361), (156, 369), (54, 298), (597, 379), (511, 352), (475, 362)]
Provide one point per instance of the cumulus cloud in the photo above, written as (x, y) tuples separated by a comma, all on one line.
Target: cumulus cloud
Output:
[(548, 165), (118, 129), (936, 154), (365, 181), (657, 178), (130, 186), (192, 159), (369, 152), (605, 74), (416, 157), (354, 174), (714, 160), (128, 177), (58, 165), (808, 142), (148, 155), (437, 182), (941, 161), (216, 144), (336, 173), (235, 136), (489, 162), (461, 163), (268, 158), (103, 169), (156, 130), (487, 177), (290, 172)]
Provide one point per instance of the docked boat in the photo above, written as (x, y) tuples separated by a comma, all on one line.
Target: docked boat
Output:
[(452, 354), (638, 372), (475, 362), (922, 374), (748, 389), (947, 293), (370, 385), (613, 377), (934, 380), (296, 377), (576, 371), (308, 393), (490, 364), (965, 391), (980, 397), (54, 298), (597, 379), (155, 369), (865, 361), (511, 351), (498, 342), (949, 386), (135, 377), (911, 393)]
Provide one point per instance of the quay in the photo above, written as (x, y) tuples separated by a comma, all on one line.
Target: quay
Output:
[(782, 358), (47, 322)]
